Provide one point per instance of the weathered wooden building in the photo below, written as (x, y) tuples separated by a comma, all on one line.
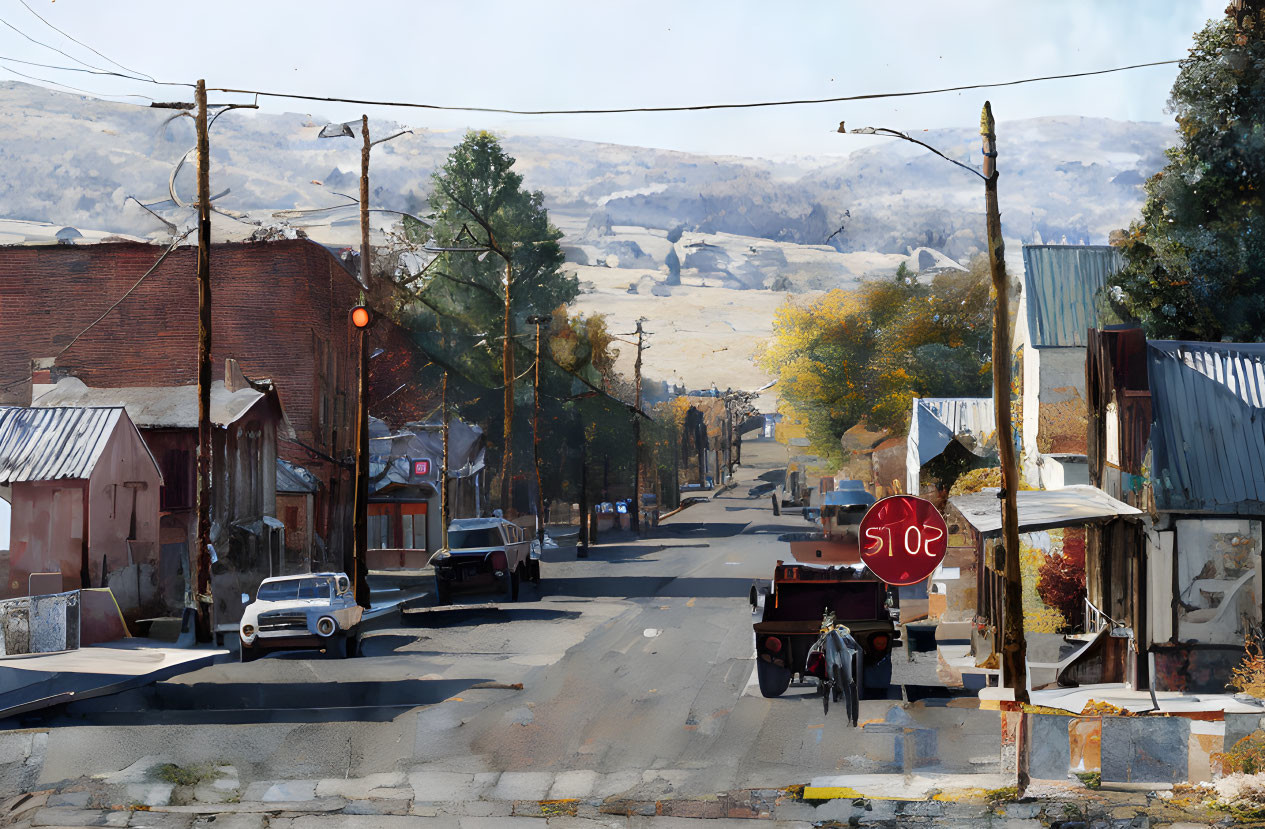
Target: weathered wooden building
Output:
[(84, 489)]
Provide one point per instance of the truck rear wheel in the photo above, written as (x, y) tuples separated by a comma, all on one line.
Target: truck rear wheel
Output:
[(443, 591), (774, 679)]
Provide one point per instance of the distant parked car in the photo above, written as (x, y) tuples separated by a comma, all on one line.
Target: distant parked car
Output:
[(315, 611), (760, 490)]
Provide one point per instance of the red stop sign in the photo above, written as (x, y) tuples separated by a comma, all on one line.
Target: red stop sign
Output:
[(903, 539)]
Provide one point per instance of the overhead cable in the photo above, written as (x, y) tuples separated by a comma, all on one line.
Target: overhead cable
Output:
[(84, 45), (687, 108)]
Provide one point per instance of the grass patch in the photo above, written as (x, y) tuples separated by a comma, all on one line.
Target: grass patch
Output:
[(1090, 779), (1005, 794), (181, 776)]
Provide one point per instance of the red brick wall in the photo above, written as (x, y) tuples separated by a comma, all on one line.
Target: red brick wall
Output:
[(275, 305)]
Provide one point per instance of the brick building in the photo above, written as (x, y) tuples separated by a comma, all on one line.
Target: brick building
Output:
[(123, 315)]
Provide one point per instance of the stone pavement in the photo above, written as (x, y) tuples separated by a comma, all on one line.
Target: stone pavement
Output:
[(151, 796)]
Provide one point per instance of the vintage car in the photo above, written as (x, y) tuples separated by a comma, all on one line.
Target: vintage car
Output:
[(485, 554), (308, 611), (791, 624)]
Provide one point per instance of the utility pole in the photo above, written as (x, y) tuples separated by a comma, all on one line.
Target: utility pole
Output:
[(538, 320), (443, 468), (635, 521), (583, 550), (1014, 650), (201, 583), (359, 569), (507, 363)]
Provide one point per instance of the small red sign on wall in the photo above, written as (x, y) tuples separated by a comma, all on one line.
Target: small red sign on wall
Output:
[(903, 539), (421, 468)]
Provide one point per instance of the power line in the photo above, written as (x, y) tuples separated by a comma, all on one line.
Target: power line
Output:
[(693, 107), (106, 72), (73, 88), (59, 51), (84, 45)]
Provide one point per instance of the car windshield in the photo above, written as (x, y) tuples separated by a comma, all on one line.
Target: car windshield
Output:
[(480, 537), (280, 591)]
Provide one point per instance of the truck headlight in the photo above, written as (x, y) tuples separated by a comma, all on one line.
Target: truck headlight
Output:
[(326, 626), (248, 631)]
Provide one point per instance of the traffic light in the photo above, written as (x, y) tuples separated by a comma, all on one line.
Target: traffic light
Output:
[(360, 317)]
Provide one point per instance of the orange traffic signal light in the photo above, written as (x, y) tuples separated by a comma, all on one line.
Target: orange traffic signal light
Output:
[(360, 316)]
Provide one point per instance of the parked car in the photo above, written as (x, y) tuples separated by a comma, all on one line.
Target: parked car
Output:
[(484, 554), (309, 611)]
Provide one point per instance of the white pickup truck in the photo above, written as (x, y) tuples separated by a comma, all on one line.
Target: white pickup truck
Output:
[(308, 611)]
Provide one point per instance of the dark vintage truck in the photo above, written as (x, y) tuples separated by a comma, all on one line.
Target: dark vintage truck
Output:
[(791, 622)]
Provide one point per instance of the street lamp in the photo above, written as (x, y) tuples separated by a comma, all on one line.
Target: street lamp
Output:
[(360, 320), (1014, 646)]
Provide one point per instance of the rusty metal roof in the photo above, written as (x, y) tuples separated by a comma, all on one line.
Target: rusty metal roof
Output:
[(1061, 284), (1041, 509), (1208, 435), (53, 444)]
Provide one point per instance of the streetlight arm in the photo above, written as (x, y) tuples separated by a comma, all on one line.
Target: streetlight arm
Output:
[(897, 134), (390, 137)]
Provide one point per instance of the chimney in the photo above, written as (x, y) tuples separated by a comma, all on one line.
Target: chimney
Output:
[(234, 380)]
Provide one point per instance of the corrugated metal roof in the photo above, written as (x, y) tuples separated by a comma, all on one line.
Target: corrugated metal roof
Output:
[(1061, 284), (1208, 435), (53, 444), (155, 407), (293, 478), (1041, 509)]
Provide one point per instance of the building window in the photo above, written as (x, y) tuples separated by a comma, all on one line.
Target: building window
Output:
[(177, 488)]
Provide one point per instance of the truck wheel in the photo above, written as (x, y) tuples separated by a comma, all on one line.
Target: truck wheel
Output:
[(351, 647), (443, 591), (248, 653), (516, 579), (774, 680)]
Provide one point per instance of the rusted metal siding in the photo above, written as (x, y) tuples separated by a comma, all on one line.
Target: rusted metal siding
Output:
[(53, 444), (1208, 438), (1062, 284)]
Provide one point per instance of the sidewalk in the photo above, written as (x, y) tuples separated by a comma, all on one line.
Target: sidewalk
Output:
[(37, 680), (139, 797)]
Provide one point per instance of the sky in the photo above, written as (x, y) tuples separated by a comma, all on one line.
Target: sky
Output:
[(584, 54)]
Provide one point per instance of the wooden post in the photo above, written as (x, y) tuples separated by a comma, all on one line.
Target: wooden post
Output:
[(359, 564), (507, 364), (443, 469), (201, 583), (635, 520), (1014, 649), (582, 551)]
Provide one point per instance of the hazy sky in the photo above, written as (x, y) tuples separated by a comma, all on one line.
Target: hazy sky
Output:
[(534, 55)]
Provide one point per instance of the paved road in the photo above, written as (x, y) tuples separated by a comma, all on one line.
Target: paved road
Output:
[(635, 668)]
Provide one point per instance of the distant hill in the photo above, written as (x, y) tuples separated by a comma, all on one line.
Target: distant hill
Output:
[(73, 160)]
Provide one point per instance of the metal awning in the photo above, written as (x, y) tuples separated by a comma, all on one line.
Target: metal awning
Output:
[(1042, 510)]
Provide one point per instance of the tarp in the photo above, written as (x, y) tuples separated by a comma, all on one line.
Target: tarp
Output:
[(1042, 509), (937, 421), (391, 454)]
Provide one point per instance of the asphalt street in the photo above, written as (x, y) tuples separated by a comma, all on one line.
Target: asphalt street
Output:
[(634, 666)]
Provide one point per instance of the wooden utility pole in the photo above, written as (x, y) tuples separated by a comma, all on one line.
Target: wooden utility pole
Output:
[(1014, 650), (443, 467), (358, 567), (582, 551), (507, 363), (201, 582), (538, 320), (635, 520)]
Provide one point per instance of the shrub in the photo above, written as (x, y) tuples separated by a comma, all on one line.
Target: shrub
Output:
[(1061, 585), (1249, 676), (1247, 756)]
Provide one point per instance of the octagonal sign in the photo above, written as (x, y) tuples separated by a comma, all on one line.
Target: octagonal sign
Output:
[(903, 539)]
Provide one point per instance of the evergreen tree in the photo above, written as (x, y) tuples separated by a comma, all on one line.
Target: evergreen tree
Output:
[(1195, 262)]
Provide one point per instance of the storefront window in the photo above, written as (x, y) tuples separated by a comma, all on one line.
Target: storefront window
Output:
[(1218, 579)]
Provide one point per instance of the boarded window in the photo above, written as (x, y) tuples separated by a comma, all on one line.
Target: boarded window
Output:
[(177, 488)]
